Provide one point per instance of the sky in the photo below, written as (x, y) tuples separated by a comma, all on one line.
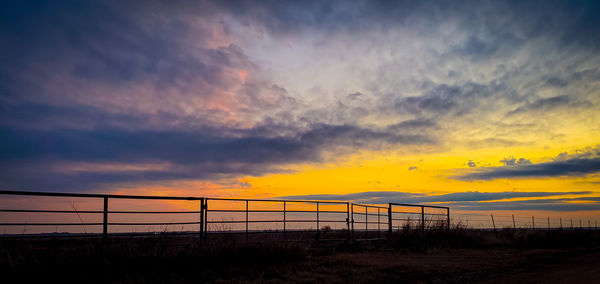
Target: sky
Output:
[(477, 105)]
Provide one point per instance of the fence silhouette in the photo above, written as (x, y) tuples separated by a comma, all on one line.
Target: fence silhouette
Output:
[(501, 221), (106, 214)]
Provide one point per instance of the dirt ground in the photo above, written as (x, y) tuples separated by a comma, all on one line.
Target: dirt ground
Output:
[(187, 260), (451, 266), (579, 267)]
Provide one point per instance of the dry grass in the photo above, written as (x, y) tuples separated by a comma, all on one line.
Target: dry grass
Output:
[(182, 259)]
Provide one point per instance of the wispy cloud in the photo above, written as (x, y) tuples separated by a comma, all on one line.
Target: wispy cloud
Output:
[(476, 201), (472, 200)]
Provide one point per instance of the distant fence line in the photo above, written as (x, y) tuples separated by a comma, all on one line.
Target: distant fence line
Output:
[(499, 221), (291, 219)]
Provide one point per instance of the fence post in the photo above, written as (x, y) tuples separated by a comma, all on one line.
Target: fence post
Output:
[(246, 220), (561, 223), (205, 219), (318, 229), (589, 226), (390, 220), (378, 223), (366, 222), (533, 222), (580, 227), (514, 225), (448, 216), (494, 224), (284, 220), (201, 217), (548, 222), (352, 219), (422, 218), (571, 224), (348, 220), (105, 218)]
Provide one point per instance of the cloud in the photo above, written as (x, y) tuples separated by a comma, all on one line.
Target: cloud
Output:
[(217, 88), (444, 99), (471, 164), (413, 168), (291, 17), (571, 167), (523, 161), (554, 204), (203, 153), (137, 83), (545, 104), (581, 163), (395, 196), (561, 157), (509, 162), (472, 200), (164, 62)]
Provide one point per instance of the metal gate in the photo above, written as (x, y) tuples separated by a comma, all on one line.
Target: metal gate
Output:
[(412, 216), (369, 222)]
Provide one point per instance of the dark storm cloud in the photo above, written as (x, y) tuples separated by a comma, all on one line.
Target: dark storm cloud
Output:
[(41, 176), (199, 154), (44, 116), (470, 200), (184, 147), (570, 167)]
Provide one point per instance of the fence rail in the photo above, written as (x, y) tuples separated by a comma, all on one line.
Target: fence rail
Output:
[(363, 220), (290, 219), (309, 211)]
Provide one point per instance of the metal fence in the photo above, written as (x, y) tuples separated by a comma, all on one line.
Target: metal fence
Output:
[(362, 223), (281, 217), (108, 214), (105, 212), (494, 221), (420, 216)]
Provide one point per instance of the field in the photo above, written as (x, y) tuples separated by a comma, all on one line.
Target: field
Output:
[(459, 255)]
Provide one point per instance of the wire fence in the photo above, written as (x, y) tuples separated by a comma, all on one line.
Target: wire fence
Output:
[(419, 216), (75, 214), (504, 221)]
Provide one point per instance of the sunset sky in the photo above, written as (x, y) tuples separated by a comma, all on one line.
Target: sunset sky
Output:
[(478, 105)]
